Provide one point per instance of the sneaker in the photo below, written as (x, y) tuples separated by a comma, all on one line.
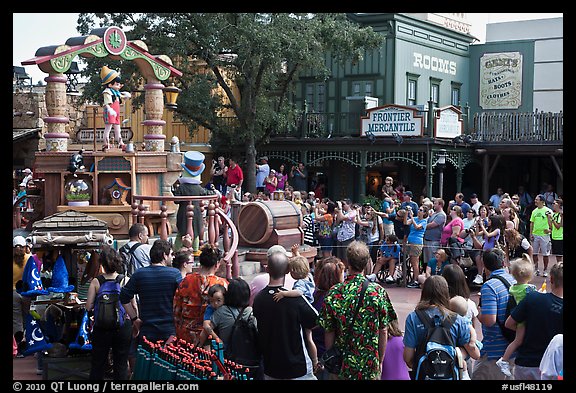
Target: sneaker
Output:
[(545, 274), (537, 272), (390, 280), (371, 277), (413, 284), (478, 280), (504, 367)]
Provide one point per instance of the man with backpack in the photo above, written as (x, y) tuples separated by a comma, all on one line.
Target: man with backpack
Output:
[(492, 311), (136, 253)]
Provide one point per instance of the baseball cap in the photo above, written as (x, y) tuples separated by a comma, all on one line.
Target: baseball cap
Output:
[(27, 170), (473, 196), (276, 248), (408, 193), (18, 241)]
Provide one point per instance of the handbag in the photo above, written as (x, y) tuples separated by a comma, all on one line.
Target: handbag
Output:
[(466, 261), (332, 358)]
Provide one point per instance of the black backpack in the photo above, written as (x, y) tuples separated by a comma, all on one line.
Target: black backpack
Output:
[(436, 354), (508, 334), (243, 347), (128, 258), (109, 314)]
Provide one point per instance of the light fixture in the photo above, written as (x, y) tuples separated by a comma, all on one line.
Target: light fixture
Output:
[(468, 139), (457, 139), (441, 163), (172, 93), (441, 157), (398, 138)]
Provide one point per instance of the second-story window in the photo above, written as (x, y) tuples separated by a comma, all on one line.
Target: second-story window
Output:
[(356, 88), (411, 92), (315, 97), (455, 95), (435, 92), (368, 89)]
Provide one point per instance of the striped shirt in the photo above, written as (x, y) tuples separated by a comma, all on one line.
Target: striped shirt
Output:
[(155, 286), (309, 229), (494, 298)]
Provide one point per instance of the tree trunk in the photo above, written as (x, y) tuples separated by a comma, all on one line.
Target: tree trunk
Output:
[(250, 167)]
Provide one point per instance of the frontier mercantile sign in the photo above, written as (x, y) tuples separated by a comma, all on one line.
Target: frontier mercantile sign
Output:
[(388, 120)]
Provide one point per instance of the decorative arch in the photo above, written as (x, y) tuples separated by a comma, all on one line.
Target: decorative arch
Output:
[(102, 42)]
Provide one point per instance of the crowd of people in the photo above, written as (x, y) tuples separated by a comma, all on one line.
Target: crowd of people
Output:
[(302, 309)]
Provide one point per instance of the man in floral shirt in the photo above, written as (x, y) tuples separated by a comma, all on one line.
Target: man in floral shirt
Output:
[(364, 351)]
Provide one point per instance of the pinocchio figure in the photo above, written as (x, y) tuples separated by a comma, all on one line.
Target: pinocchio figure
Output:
[(112, 100)]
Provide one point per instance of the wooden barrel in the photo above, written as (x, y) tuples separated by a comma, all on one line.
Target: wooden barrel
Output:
[(257, 221)]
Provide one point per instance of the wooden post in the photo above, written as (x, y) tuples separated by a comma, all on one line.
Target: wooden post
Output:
[(189, 218), (94, 136), (163, 231), (211, 223)]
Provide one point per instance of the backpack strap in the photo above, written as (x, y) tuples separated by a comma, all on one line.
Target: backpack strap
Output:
[(446, 323), (360, 299), (507, 285), (503, 280), (236, 319), (132, 250), (119, 278)]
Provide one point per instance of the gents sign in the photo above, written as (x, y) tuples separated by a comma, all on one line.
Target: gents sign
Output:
[(501, 80), (391, 119)]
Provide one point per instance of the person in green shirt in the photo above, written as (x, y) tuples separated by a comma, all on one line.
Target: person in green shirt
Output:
[(540, 233), (556, 221)]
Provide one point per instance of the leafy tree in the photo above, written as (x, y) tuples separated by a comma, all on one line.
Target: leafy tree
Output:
[(238, 68)]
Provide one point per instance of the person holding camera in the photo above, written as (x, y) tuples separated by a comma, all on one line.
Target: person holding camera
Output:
[(262, 172), (217, 172), (299, 177), (345, 216)]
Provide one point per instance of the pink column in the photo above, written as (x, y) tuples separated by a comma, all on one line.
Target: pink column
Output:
[(154, 107), (56, 121)]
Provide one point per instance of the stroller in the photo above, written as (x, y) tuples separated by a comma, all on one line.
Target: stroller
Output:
[(463, 257)]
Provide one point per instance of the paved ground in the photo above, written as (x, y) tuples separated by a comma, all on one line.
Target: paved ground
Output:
[(403, 299)]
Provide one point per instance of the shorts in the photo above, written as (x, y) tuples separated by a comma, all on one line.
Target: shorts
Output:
[(414, 250), (558, 247), (473, 253), (388, 229), (326, 243), (541, 245)]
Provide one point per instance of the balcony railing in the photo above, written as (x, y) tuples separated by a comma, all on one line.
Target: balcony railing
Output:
[(487, 126), (218, 223), (522, 127), (322, 125)]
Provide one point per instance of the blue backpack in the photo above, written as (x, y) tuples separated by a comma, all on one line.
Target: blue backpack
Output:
[(109, 314), (436, 354)]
